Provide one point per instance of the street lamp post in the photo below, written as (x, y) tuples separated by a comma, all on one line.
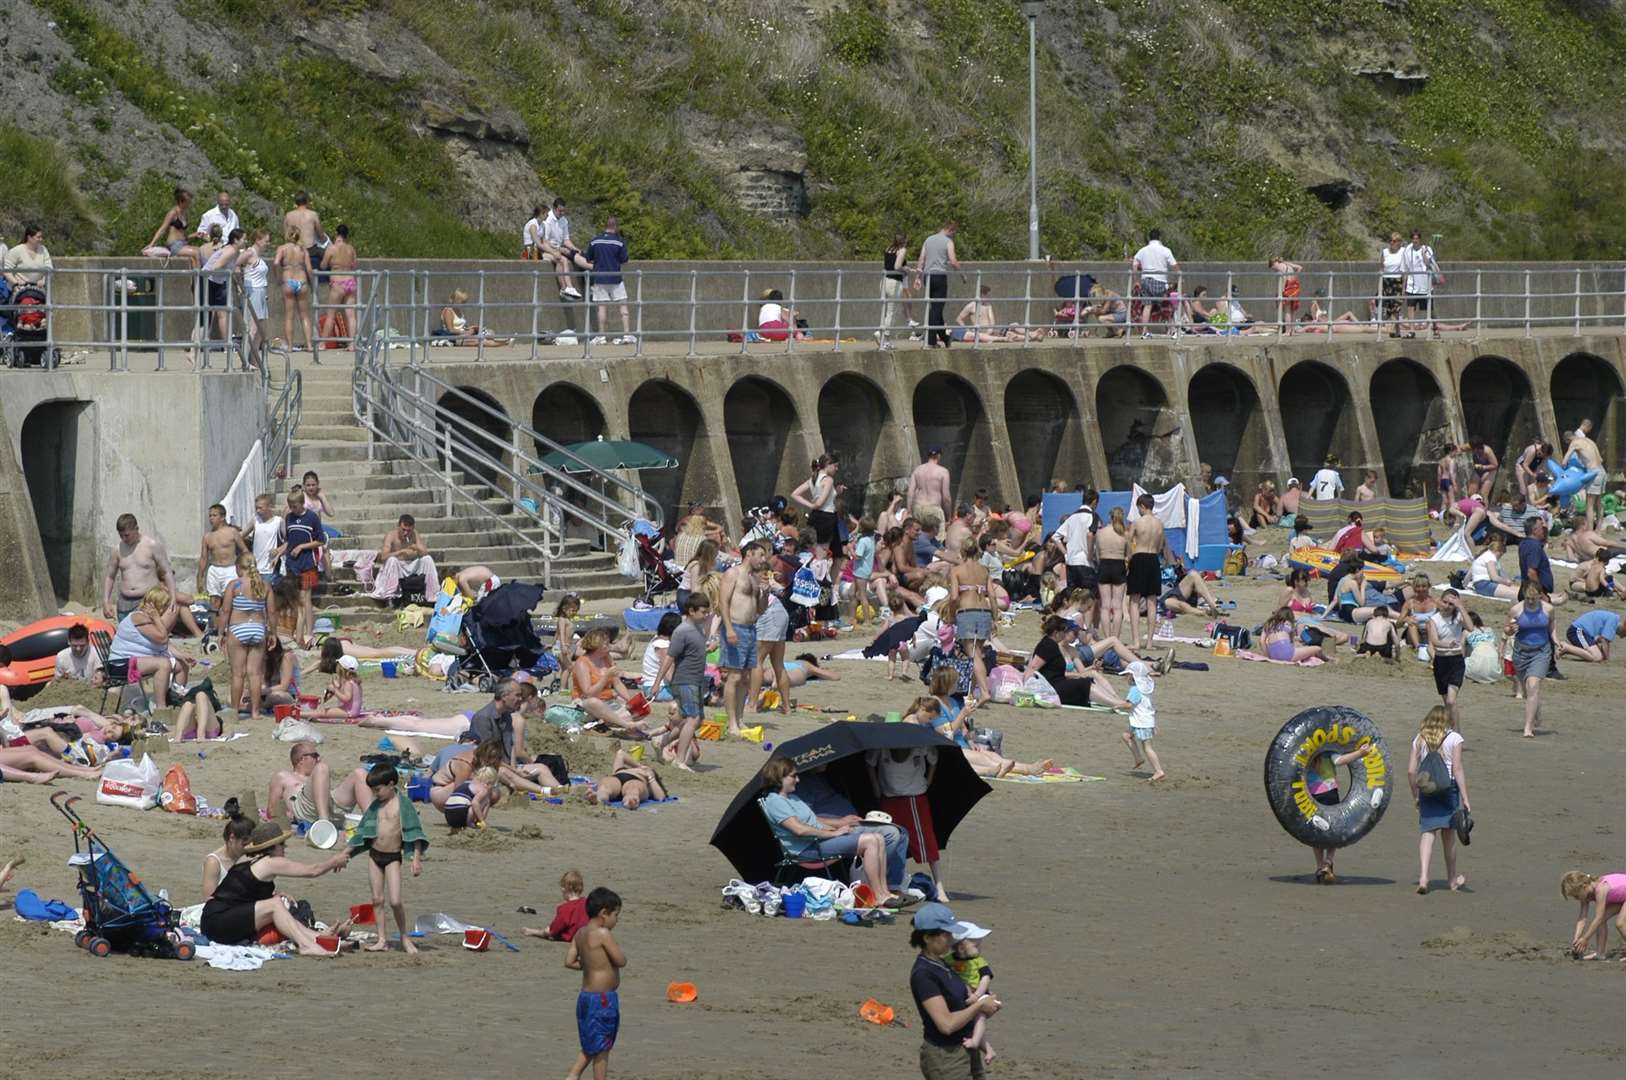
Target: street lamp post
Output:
[(1031, 9)]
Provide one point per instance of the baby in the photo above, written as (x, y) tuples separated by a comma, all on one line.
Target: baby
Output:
[(968, 964), (387, 828)]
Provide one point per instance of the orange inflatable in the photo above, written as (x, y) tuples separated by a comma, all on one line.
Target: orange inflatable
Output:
[(681, 993), (34, 648)]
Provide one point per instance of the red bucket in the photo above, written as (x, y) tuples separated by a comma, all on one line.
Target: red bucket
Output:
[(284, 712), (476, 940), (361, 914), (637, 705)]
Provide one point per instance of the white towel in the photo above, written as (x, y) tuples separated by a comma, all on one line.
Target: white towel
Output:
[(239, 500)]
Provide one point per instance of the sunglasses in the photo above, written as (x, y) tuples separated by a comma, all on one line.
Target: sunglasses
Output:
[(312, 754)]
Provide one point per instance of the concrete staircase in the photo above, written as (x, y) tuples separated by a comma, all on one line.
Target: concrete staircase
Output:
[(371, 495)]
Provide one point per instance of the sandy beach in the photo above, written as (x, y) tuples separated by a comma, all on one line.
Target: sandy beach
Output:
[(1139, 930)]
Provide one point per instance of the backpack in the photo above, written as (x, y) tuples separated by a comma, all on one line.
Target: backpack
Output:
[(1432, 776)]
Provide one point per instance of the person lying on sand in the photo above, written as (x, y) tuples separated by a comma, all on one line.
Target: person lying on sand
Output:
[(628, 781)]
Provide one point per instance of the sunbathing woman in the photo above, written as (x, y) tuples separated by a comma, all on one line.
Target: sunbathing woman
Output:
[(170, 239), (629, 782), (1279, 636), (458, 329), (597, 689), (952, 723)]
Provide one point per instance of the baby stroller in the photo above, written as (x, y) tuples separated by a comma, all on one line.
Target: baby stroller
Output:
[(25, 329), (498, 637), (119, 912), (658, 577)]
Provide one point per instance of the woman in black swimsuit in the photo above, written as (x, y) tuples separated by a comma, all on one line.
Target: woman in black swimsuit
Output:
[(245, 902), (629, 782)]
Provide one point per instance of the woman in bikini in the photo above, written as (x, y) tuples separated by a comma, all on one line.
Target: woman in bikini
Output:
[(629, 782), (249, 611), (1296, 599), (293, 268), (1280, 639), (340, 262), (1112, 570), (170, 239), (973, 617)]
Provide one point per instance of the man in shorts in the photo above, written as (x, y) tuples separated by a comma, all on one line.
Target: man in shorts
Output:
[(608, 254), (302, 537), (138, 563), (1582, 446), (217, 559), (1148, 547), (304, 792), (744, 599)]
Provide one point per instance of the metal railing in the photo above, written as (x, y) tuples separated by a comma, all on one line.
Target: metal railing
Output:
[(281, 424), (438, 428), (162, 311)]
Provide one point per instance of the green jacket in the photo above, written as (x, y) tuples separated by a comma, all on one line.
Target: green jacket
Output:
[(411, 828)]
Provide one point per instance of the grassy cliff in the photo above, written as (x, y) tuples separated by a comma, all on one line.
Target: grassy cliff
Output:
[(1243, 127)]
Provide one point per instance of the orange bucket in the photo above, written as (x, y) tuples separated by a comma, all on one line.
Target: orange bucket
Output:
[(681, 993), (330, 942), (863, 895), (876, 1013), (637, 706)]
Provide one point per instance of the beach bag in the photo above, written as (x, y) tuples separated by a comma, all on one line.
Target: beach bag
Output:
[(1432, 776), (804, 588), (1004, 681), (86, 751), (131, 783), (565, 716), (988, 738), (1043, 693), (293, 729), (176, 796), (1235, 563), (1240, 637)]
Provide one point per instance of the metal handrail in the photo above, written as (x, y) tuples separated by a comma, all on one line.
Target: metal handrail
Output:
[(407, 419), (281, 423)]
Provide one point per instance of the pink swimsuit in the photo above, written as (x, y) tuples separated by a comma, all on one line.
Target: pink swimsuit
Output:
[(1617, 888)]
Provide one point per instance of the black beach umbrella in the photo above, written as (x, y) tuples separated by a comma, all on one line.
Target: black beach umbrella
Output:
[(743, 835), (1068, 283)]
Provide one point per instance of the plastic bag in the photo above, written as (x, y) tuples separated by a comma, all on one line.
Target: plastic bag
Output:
[(804, 588), (130, 783), (177, 795), (1004, 681), (293, 729), (1043, 693)]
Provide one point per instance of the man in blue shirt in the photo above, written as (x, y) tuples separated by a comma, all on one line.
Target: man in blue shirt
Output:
[(302, 538), (1533, 562), (926, 546), (608, 254), (1590, 635)]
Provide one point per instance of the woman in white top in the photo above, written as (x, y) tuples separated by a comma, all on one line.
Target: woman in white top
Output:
[(1436, 811), (1485, 576), (28, 263), (1446, 629), (256, 274)]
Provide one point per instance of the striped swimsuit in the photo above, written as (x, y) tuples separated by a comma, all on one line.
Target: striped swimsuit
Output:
[(247, 633)]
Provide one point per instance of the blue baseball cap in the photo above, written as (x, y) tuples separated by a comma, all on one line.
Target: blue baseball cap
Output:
[(934, 917)]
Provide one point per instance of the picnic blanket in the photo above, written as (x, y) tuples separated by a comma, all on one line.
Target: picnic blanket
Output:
[(1067, 775), (1261, 658), (1404, 520)]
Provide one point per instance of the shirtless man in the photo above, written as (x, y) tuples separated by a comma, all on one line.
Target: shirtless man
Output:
[(957, 533), (217, 559), (304, 791), (1148, 547), (929, 486), (1584, 543), (307, 225), (976, 323), (139, 563), (475, 581), (402, 553), (1581, 444), (744, 599)]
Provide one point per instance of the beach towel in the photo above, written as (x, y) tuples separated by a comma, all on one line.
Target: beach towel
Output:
[(1261, 658), (1067, 775), (856, 654), (1469, 594), (29, 906), (238, 957), (647, 804)]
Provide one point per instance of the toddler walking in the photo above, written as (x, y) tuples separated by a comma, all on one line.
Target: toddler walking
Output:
[(387, 828), (1142, 719)]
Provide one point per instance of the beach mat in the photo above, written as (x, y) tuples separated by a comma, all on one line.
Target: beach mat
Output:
[(1068, 775)]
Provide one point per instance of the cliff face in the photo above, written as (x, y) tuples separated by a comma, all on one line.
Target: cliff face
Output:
[(745, 127)]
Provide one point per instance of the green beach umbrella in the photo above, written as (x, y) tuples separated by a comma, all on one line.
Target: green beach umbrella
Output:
[(609, 454)]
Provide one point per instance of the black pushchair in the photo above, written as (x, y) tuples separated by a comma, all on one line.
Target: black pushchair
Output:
[(498, 637), (25, 329), (119, 912)]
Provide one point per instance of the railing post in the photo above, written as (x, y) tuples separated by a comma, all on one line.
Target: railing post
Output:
[(1527, 303), (790, 317), (976, 320), (1078, 301), (1578, 301), (1130, 300), (446, 452), (124, 320), (536, 310), (638, 306), (837, 334), (515, 479), (745, 315), (694, 284), (1230, 284), (480, 306), (1027, 308), (1479, 303)]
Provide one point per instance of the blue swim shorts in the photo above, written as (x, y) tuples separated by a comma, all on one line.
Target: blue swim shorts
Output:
[(690, 702), (743, 656), (598, 1019)]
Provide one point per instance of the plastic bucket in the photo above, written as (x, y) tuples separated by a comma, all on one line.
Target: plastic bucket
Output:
[(388, 668), (280, 713), (794, 906), (476, 940), (863, 895), (361, 914), (637, 705), (681, 993)]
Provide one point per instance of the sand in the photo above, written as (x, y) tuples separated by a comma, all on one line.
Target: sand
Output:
[(1139, 930)]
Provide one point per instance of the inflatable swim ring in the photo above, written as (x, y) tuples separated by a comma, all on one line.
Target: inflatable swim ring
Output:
[(1331, 729), (34, 648), (1324, 561)]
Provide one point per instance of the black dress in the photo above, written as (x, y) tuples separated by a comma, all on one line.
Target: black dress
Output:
[(228, 917)]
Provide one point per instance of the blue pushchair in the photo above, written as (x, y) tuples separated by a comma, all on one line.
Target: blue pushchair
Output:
[(119, 912)]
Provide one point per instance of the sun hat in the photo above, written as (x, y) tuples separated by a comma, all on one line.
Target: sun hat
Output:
[(1220, 481), (935, 917), (266, 835), (936, 595), (878, 817), (348, 663)]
